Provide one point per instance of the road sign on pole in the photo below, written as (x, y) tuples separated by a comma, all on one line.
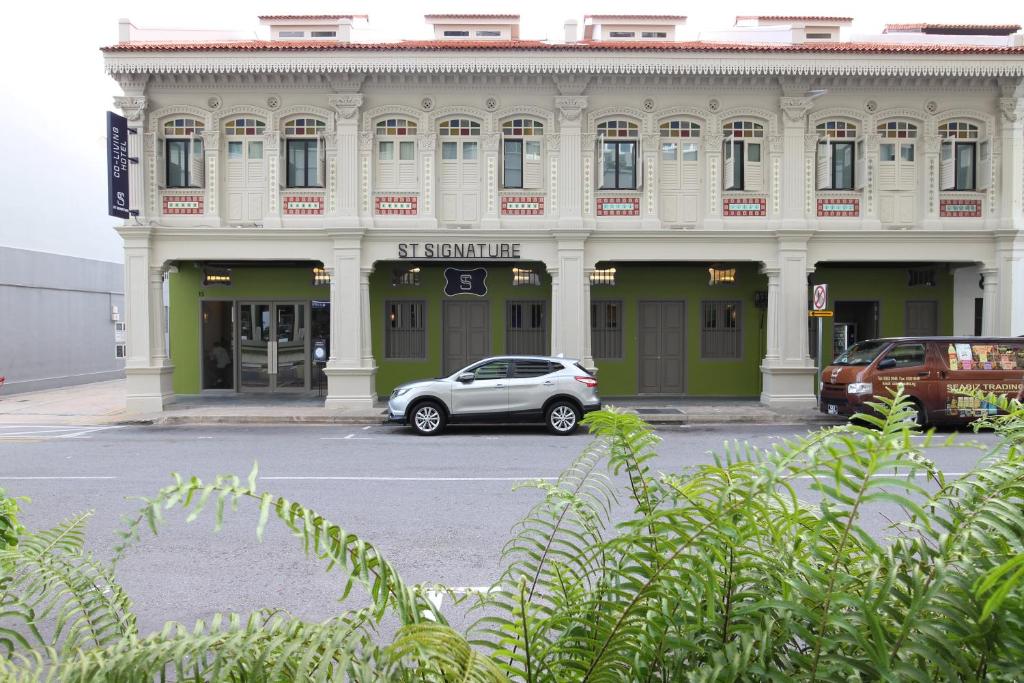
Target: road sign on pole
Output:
[(819, 297)]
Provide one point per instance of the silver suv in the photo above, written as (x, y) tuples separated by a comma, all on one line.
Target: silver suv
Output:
[(502, 389)]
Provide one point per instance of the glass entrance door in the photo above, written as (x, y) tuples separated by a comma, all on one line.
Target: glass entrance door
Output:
[(273, 347)]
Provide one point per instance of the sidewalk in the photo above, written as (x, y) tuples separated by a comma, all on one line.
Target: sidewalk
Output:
[(103, 403)]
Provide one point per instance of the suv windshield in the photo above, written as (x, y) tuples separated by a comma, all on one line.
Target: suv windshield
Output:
[(861, 353)]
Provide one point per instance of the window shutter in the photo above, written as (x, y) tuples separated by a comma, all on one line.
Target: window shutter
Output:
[(321, 150), (282, 162), (639, 163), (753, 176), (385, 168), (533, 165), (983, 177), (407, 167), (161, 163), (907, 167), (729, 167), (860, 169), (196, 162), (599, 152), (824, 168), (888, 170), (947, 169)]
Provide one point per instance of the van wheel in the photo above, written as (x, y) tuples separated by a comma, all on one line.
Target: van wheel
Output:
[(562, 418), (427, 419), (918, 416)]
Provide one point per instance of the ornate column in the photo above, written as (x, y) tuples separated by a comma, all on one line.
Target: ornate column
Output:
[(347, 121), (272, 153), (556, 323), (569, 299), (330, 179), (366, 187), (491, 143), (554, 145), (990, 312), (147, 369), (712, 149), (789, 374), (134, 109), (928, 202), (1007, 290), (869, 200), (570, 180), (792, 174), (350, 381), (649, 199), (1011, 135), (211, 147), (588, 352), (810, 176), (367, 316), (772, 331), (427, 144)]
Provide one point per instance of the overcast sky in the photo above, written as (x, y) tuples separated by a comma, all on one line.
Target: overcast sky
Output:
[(55, 92)]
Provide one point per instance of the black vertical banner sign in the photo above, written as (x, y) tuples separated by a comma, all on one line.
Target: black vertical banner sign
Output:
[(117, 165)]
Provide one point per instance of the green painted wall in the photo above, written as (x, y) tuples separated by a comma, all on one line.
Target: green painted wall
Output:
[(689, 283), (392, 372), (888, 286), (186, 291)]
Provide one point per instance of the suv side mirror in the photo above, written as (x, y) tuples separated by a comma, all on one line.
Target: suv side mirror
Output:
[(887, 363), (467, 377)]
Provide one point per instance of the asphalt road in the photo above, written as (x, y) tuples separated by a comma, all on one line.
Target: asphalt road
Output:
[(440, 509)]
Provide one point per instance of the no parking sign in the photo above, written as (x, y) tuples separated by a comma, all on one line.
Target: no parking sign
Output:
[(819, 298)]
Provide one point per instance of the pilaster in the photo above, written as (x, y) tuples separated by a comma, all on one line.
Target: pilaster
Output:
[(133, 108), (588, 353), (491, 144), (570, 299), (347, 122), (928, 194), (712, 150), (792, 175), (350, 371), (272, 143), (990, 309), (1007, 290), (869, 201), (1011, 134), (211, 146), (570, 180), (427, 147)]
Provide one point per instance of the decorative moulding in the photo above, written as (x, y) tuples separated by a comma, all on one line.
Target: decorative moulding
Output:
[(618, 206), (839, 207), (371, 116), (526, 205), (395, 205), (183, 205), (960, 208), (303, 205), (744, 206)]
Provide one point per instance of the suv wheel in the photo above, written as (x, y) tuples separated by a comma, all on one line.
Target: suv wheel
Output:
[(427, 419), (562, 418)]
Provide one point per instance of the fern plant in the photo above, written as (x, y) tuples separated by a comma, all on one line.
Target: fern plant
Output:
[(720, 572)]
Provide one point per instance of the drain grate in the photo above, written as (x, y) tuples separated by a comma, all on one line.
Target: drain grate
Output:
[(659, 411)]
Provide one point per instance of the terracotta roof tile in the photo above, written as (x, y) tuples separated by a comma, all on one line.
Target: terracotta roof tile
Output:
[(470, 16), (793, 18), (655, 17), (264, 17), (950, 27), (528, 46)]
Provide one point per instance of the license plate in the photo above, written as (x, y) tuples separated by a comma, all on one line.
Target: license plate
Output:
[(832, 408)]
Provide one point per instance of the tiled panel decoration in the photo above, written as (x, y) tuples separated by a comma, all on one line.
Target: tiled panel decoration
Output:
[(960, 208), (846, 208), (396, 206), (618, 206), (745, 206), (303, 205), (522, 206), (183, 205)]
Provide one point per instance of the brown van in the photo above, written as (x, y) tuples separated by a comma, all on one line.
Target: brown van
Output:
[(931, 369)]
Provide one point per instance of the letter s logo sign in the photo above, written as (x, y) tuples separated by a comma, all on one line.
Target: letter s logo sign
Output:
[(465, 282)]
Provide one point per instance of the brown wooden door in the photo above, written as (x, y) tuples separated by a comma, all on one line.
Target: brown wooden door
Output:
[(467, 333)]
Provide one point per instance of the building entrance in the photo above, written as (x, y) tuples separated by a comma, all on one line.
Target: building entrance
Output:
[(273, 346), (467, 333), (662, 336)]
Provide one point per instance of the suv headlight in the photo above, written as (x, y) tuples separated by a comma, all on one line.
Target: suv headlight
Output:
[(400, 392), (859, 388)]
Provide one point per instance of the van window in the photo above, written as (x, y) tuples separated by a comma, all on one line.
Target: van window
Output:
[(861, 353), (906, 355)]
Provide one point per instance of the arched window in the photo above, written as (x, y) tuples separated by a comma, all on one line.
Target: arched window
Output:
[(618, 156), (244, 150), (459, 127), (897, 166), (396, 155), (678, 170), (741, 156), (184, 160), (521, 154), (305, 156), (964, 160), (840, 156)]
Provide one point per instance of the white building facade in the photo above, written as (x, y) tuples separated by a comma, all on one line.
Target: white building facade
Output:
[(653, 206)]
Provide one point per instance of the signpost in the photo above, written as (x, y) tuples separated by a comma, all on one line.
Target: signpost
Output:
[(117, 166), (819, 310)]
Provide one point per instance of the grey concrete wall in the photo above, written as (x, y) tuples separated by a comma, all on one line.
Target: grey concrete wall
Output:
[(55, 320)]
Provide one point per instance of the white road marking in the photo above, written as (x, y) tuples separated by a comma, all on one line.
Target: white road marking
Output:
[(350, 437), (367, 427), (48, 478), (52, 431), (204, 437), (317, 478)]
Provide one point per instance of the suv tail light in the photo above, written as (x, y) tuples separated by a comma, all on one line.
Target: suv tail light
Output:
[(589, 381)]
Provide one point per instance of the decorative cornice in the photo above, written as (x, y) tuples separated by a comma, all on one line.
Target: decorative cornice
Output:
[(1009, 106), (133, 107), (345, 72), (795, 108), (571, 107), (347, 106)]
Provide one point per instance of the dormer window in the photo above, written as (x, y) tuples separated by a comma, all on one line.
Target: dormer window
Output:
[(184, 161), (742, 167), (660, 35), (617, 155), (291, 34), (840, 153), (323, 34), (456, 34), (964, 162), (622, 34), (488, 34)]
